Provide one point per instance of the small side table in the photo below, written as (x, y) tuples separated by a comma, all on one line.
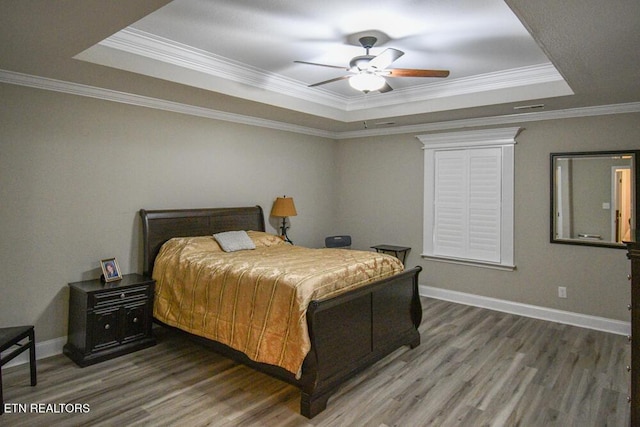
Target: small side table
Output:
[(399, 252)]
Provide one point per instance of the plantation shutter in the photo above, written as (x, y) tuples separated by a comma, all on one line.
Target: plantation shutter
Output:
[(485, 177), (450, 225), (467, 202)]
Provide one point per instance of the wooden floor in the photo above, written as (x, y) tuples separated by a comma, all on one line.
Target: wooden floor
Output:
[(474, 367)]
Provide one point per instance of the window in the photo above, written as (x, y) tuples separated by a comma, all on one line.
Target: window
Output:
[(468, 197)]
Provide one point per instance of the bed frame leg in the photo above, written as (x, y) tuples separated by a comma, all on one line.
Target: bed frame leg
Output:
[(311, 405), (416, 342)]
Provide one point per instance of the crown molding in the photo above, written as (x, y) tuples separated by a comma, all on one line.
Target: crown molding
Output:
[(45, 83), (15, 78), (600, 110), (156, 48)]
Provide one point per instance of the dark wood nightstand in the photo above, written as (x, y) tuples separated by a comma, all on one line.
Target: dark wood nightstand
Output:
[(107, 320)]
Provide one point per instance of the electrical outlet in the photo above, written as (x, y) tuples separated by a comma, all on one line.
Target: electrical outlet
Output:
[(562, 292)]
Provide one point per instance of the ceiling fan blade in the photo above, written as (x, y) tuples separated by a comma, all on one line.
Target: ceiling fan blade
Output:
[(329, 81), (321, 65), (384, 59), (385, 88), (407, 72)]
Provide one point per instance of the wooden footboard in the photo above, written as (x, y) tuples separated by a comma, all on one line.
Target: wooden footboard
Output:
[(354, 330)]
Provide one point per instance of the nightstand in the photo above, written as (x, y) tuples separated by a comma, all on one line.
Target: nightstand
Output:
[(107, 320)]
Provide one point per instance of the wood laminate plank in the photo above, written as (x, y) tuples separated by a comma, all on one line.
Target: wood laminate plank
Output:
[(473, 367)]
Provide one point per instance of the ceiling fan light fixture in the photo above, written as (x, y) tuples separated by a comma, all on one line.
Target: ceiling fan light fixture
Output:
[(366, 82)]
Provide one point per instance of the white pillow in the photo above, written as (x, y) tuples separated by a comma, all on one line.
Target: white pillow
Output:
[(231, 241)]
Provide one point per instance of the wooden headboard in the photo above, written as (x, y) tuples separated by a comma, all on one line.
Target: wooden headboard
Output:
[(158, 226)]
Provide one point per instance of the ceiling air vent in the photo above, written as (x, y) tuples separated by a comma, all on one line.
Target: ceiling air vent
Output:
[(529, 107)]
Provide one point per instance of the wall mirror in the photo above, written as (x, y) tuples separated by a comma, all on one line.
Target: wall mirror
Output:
[(594, 198)]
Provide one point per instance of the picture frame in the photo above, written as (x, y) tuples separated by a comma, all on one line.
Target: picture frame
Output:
[(110, 270)]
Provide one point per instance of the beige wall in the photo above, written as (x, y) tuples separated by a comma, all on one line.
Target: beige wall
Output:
[(75, 171), (380, 201)]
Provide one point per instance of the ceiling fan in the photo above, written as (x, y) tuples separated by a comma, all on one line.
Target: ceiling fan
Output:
[(368, 72)]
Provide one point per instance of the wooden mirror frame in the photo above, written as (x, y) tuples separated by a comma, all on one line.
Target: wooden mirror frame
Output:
[(635, 196)]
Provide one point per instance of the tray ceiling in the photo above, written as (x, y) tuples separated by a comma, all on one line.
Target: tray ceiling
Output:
[(247, 49)]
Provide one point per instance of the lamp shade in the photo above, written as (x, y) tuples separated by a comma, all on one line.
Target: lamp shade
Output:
[(283, 207)]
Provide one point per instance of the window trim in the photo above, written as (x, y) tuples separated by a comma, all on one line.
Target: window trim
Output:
[(500, 138)]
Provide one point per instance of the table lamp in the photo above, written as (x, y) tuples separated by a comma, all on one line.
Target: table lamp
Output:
[(283, 207)]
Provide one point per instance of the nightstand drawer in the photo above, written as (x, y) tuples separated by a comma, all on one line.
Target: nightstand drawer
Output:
[(118, 296)]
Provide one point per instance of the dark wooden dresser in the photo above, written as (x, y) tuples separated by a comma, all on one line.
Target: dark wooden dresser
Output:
[(107, 320), (634, 256)]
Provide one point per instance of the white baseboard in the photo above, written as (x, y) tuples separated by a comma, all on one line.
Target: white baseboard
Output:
[(566, 317)]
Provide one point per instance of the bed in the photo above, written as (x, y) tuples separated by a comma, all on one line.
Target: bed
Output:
[(347, 332)]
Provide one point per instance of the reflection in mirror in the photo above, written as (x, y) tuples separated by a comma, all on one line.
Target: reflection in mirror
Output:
[(594, 198)]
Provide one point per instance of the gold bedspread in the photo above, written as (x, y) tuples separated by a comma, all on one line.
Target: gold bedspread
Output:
[(255, 300)]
